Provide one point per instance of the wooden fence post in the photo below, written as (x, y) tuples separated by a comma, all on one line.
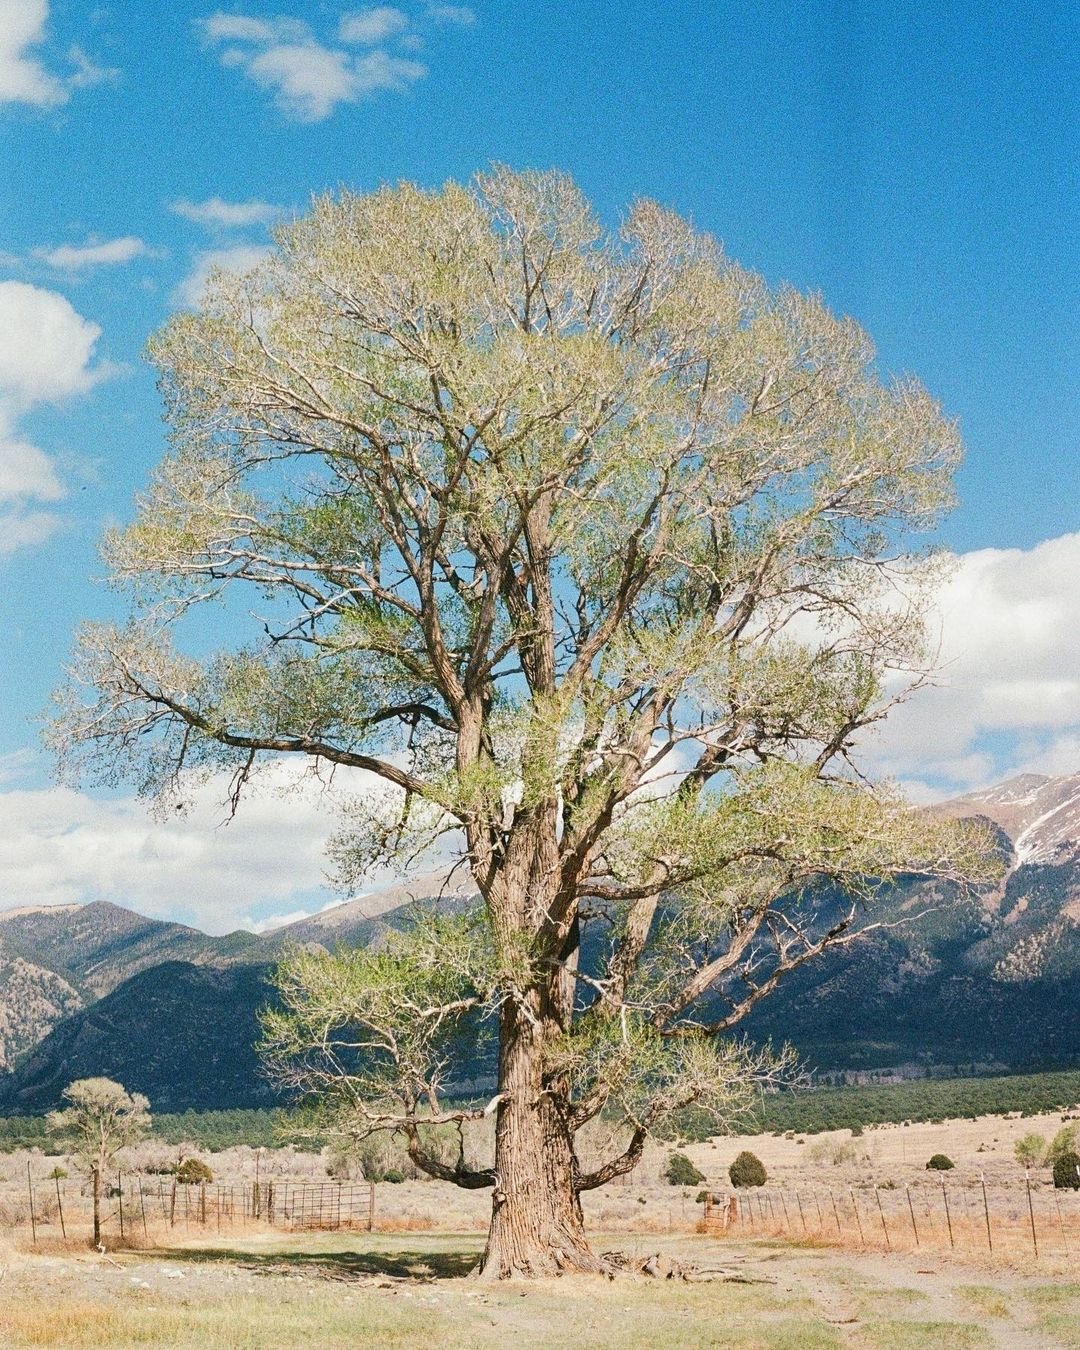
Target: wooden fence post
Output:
[(911, 1211), (120, 1197), (60, 1207), (858, 1216), (1031, 1211), (986, 1211), (30, 1188), (877, 1192)]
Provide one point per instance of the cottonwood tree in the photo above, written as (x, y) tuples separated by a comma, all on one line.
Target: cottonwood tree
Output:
[(100, 1119), (592, 551)]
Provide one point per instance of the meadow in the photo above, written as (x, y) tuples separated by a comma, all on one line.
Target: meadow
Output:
[(793, 1278)]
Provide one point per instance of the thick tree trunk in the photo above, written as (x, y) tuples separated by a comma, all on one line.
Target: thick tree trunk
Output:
[(536, 1221)]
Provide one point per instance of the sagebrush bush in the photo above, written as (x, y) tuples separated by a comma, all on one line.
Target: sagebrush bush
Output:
[(680, 1171), (1030, 1150), (940, 1162), (748, 1170), (1067, 1172)]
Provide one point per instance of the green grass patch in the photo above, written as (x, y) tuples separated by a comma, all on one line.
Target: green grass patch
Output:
[(897, 1335), (983, 1299)]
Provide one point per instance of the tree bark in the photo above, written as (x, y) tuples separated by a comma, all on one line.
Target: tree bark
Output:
[(537, 1227)]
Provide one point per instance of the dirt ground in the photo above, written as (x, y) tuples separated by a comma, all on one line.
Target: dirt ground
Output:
[(330, 1290), (255, 1287)]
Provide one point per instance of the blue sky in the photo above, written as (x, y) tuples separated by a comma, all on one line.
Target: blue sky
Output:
[(919, 165)]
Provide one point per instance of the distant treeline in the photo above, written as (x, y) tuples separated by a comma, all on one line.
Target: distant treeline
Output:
[(210, 1130), (927, 1099), (807, 1112)]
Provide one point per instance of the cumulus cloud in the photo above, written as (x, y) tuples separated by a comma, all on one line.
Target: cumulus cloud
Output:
[(59, 846), (214, 213), (309, 79), (23, 527), (369, 26), (461, 15), (46, 355), (239, 258), (237, 28), (76, 257), (23, 78), (46, 347), (1008, 692)]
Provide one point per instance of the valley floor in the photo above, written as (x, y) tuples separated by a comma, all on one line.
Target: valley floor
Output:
[(340, 1290)]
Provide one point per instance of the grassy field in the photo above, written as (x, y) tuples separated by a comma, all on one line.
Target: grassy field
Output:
[(329, 1291)]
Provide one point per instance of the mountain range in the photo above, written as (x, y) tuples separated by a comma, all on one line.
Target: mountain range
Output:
[(950, 977)]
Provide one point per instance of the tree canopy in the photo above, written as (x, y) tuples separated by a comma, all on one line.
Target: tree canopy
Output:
[(595, 552), (101, 1118)]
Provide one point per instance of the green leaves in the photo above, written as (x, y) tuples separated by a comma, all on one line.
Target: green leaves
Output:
[(375, 1024)]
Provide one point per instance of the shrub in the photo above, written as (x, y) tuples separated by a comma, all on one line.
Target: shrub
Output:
[(393, 1175), (193, 1171), (1067, 1172), (1030, 1150), (832, 1151), (747, 1170), (58, 1174), (1063, 1142), (940, 1162), (681, 1171)]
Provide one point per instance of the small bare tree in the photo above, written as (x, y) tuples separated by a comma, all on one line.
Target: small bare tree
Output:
[(100, 1119), (593, 550)]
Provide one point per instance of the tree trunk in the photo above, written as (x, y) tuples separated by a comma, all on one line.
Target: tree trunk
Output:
[(95, 1174), (537, 1226)]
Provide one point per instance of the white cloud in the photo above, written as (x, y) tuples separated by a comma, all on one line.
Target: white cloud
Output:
[(237, 28), (1008, 693), (23, 528), (307, 78), (369, 26), (45, 346), (240, 258), (26, 471), (23, 79), (86, 73), (46, 354), (216, 213), (59, 846), (74, 257), (378, 71), (461, 15)]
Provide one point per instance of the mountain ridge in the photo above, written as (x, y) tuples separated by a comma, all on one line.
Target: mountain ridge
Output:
[(992, 976)]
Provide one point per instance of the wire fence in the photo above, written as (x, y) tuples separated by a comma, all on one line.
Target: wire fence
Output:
[(135, 1206), (961, 1218)]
